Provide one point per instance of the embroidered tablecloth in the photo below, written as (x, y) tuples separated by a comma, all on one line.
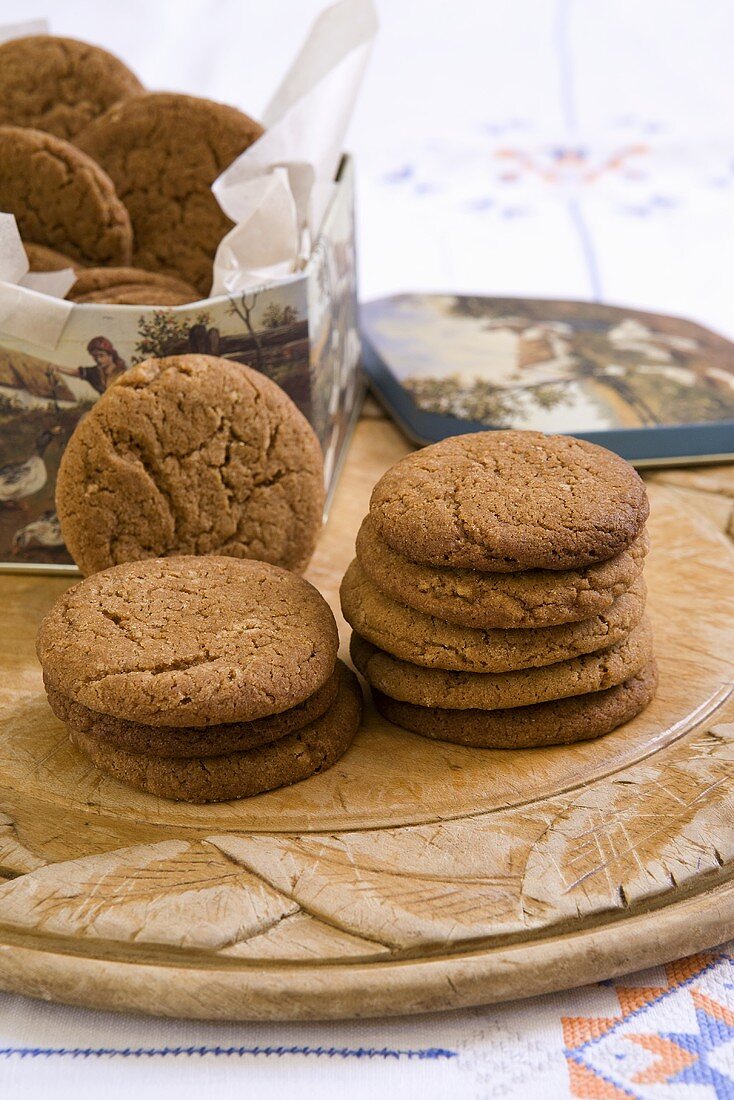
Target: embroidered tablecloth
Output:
[(666, 1032)]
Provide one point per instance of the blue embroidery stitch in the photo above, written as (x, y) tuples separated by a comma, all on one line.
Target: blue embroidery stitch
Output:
[(426, 1054)]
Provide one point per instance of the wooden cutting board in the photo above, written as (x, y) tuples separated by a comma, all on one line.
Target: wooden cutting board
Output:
[(413, 876)]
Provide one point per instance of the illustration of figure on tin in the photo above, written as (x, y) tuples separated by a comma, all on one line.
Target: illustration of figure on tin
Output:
[(108, 365)]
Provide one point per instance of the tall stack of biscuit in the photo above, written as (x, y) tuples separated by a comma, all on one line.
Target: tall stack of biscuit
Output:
[(497, 597), (199, 678)]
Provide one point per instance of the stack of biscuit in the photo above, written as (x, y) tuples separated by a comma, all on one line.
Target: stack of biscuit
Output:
[(497, 597), (103, 175), (199, 678)]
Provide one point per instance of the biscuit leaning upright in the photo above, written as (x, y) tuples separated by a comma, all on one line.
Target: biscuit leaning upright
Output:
[(163, 152), (61, 198), (497, 597), (59, 84), (191, 455)]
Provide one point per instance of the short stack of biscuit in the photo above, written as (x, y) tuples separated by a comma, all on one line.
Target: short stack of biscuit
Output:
[(199, 678), (497, 597)]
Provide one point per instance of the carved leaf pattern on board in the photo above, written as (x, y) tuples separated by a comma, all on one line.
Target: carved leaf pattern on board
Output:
[(15, 858), (174, 892), (639, 833), (178, 893), (302, 937), (365, 894), (378, 896), (617, 842)]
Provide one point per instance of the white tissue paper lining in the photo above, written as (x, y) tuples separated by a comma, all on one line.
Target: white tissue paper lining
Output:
[(32, 304), (276, 192)]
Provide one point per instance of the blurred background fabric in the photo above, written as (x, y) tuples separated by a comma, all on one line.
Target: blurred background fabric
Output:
[(552, 148)]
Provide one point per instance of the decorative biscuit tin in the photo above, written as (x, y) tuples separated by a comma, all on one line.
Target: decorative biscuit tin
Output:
[(302, 333)]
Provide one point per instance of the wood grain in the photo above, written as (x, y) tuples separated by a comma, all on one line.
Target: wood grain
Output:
[(414, 875)]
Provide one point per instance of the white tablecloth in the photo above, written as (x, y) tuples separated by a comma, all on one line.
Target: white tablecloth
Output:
[(664, 1034), (559, 149)]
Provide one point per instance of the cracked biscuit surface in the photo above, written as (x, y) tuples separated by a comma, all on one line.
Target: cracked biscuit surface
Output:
[(433, 643), (61, 198), (191, 455), (163, 152), (189, 641), (559, 722), (505, 501), (297, 756), (59, 84), (434, 687), (470, 597)]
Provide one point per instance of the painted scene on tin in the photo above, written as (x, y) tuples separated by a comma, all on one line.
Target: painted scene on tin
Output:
[(551, 365)]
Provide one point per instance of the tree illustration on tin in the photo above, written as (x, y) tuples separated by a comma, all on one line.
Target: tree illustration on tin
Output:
[(242, 307), (276, 315), (163, 331), (449, 396), (548, 395), (482, 401)]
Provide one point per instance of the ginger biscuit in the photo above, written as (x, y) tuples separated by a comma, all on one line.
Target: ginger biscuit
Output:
[(429, 641), (136, 294), (191, 455), (189, 641), (505, 501), (296, 756), (434, 687), (130, 286), (164, 152), (191, 741), (41, 258), (61, 198), (468, 597), (560, 722), (59, 84)]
